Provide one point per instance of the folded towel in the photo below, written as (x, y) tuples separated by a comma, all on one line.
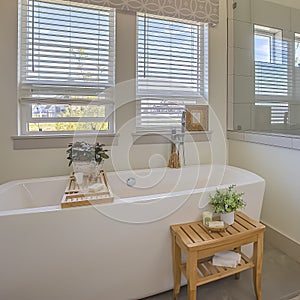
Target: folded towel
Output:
[(228, 259), (229, 255), (96, 187), (216, 261)]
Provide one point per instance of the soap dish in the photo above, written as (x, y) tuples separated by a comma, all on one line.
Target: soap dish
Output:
[(216, 229)]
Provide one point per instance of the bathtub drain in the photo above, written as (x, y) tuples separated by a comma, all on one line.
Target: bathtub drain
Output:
[(131, 181)]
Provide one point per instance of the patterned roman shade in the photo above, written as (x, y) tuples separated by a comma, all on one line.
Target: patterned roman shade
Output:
[(206, 11)]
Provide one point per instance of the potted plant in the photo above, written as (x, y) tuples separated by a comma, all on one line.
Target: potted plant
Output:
[(85, 156), (226, 202)]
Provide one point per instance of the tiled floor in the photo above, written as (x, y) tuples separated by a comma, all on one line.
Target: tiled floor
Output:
[(280, 281)]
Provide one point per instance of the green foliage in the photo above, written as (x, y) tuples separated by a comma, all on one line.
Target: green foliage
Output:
[(227, 201), (79, 111), (85, 152)]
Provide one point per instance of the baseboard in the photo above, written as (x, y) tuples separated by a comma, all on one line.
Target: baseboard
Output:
[(283, 243)]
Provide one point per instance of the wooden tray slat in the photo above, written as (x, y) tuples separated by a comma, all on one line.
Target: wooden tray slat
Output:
[(74, 197)]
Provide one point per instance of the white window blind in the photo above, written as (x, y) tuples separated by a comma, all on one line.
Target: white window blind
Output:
[(66, 59), (171, 70)]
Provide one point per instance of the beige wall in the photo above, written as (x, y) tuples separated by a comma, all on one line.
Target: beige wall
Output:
[(16, 164), (280, 168)]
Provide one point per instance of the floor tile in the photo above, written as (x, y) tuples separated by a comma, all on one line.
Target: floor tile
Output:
[(280, 281)]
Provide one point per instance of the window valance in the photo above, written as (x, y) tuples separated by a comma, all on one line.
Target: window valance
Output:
[(206, 11)]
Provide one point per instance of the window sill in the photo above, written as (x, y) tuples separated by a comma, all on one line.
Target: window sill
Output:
[(270, 139), (59, 141), (164, 137)]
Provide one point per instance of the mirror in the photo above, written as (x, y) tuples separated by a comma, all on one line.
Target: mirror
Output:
[(264, 66)]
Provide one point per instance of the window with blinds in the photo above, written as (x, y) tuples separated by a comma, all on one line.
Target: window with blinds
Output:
[(172, 70), (66, 62), (272, 72), (274, 75)]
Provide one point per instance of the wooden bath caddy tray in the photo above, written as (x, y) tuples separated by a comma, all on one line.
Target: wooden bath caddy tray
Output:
[(74, 197)]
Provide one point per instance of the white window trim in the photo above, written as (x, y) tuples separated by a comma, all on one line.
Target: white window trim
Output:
[(270, 139), (26, 142), (165, 137)]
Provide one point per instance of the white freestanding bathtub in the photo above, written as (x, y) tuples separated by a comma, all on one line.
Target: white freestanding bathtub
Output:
[(115, 251)]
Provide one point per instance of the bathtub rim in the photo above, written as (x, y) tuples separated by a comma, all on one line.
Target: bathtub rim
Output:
[(7, 185), (125, 200)]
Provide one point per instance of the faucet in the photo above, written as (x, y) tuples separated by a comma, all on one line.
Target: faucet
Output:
[(181, 144), (174, 160), (177, 140), (183, 122)]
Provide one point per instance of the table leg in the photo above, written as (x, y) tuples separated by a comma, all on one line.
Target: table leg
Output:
[(191, 272), (176, 255), (238, 275), (257, 259)]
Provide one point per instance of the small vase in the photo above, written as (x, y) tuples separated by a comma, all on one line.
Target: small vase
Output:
[(85, 167), (99, 168), (228, 218)]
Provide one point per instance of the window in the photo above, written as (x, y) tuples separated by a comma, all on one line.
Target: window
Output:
[(171, 70), (273, 74), (66, 61), (271, 62), (297, 50)]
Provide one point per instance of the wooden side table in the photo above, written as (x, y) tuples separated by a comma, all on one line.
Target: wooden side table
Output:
[(199, 246)]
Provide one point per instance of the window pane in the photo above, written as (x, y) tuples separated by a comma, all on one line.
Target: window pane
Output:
[(272, 72), (297, 49), (66, 44), (262, 48), (66, 62), (171, 70), (66, 111), (278, 112), (68, 126), (168, 56)]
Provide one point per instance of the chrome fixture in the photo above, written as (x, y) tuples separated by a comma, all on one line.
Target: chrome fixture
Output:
[(181, 143), (173, 135), (131, 181), (183, 121), (178, 140)]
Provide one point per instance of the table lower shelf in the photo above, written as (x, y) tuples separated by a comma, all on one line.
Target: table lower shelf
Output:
[(208, 273)]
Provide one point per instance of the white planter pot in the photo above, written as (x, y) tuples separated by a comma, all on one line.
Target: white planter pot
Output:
[(228, 218)]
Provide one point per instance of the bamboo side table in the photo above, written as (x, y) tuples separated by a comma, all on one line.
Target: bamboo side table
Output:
[(199, 246)]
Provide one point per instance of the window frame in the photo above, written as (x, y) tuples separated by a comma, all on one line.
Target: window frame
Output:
[(278, 104), (201, 97), (296, 40), (25, 103)]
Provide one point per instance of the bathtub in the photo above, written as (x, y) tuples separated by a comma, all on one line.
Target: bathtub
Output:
[(114, 251)]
